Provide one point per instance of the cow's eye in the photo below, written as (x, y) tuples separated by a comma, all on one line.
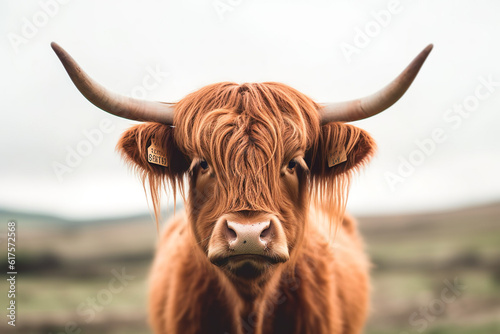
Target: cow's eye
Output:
[(204, 164), (291, 164)]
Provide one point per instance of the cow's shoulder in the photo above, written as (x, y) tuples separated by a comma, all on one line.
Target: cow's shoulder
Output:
[(328, 285), (174, 228)]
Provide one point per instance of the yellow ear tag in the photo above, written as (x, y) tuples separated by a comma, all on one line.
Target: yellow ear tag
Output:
[(156, 155), (337, 157)]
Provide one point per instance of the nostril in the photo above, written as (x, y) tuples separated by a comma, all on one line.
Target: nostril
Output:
[(230, 233), (265, 235)]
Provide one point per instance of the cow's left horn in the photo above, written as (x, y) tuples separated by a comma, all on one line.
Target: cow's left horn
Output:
[(119, 105), (355, 110)]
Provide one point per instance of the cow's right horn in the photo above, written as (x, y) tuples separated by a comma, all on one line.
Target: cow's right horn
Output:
[(368, 106), (119, 105)]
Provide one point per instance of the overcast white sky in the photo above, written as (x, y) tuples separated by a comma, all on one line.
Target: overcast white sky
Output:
[(189, 44)]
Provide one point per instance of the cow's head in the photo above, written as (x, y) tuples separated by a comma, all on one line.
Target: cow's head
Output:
[(255, 155)]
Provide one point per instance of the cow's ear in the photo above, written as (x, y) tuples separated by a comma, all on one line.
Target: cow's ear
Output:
[(151, 150), (341, 148)]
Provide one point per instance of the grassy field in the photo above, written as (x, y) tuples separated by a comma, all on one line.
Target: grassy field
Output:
[(433, 273)]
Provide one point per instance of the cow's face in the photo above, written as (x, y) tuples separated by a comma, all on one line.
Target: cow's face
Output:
[(253, 154), (248, 176)]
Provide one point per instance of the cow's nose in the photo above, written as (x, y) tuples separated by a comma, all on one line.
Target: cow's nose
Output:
[(250, 238)]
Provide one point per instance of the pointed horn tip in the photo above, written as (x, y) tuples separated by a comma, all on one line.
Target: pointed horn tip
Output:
[(425, 52), (419, 60), (60, 52), (55, 46)]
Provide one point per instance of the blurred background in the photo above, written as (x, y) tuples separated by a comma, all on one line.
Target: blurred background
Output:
[(428, 203)]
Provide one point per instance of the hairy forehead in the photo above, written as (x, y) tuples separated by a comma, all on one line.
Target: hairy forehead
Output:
[(269, 118)]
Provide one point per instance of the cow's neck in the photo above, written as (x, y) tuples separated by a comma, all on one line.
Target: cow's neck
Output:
[(254, 294), (252, 290)]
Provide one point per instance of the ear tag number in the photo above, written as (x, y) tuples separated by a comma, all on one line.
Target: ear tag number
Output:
[(157, 155), (336, 157)]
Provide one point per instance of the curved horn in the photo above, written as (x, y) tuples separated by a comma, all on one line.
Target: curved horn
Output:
[(119, 105), (368, 106)]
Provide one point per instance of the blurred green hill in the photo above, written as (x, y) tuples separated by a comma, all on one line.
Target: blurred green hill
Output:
[(67, 273)]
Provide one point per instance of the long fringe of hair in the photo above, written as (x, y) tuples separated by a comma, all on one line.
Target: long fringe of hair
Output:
[(246, 130)]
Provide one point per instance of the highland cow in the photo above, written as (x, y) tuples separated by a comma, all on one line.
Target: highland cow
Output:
[(264, 245)]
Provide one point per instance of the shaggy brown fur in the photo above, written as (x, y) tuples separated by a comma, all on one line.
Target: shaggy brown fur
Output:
[(248, 134)]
